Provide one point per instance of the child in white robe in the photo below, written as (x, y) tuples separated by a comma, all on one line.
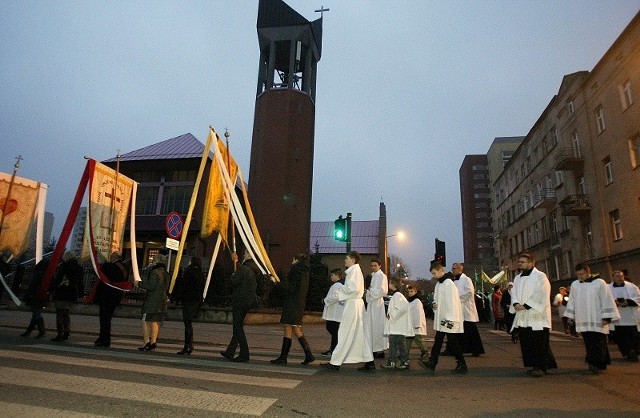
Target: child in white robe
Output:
[(333, 309), (398, 327), (418, 321)]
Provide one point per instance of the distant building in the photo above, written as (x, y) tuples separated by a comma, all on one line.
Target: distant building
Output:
[(77, 236), (475, 197), (571, 191)]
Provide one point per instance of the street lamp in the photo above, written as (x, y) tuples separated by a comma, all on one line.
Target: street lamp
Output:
[(401, 236)]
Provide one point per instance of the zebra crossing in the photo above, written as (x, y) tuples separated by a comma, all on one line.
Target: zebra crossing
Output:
[(202, 386)]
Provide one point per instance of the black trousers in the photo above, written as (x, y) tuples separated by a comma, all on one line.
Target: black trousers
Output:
[(454, 344), (332, 328), (472, 340), (597, 350), (106, 311), (627, 339), (536, 351), (239, 338)]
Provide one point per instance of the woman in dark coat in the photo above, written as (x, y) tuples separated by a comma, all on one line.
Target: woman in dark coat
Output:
[(31, 298), (191, 288), (66, 288), (155, 302), (295, 295)]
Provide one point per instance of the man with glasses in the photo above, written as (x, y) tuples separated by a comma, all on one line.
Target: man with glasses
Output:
[(531, 304)]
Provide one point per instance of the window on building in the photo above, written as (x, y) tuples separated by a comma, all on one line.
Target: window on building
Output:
[(582, 186), (147, 200), (570, 106), (600, 119), (569, 263), (176, 198), (616, 224), (479, 167), (575, 144), (554, 137), (634, 150), (608, 170), (626, 95), (506, 156), (589, 239)]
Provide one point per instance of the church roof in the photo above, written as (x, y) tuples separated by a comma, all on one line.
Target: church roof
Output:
[(364, 238), (183, 146)]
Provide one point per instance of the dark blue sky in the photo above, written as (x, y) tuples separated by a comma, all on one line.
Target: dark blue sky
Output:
[(405, 89)]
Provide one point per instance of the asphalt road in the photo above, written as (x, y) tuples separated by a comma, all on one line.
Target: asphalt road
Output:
[(44, 378)]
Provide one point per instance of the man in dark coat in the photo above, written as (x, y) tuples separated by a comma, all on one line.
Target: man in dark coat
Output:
[(108, 298), (243, 297)]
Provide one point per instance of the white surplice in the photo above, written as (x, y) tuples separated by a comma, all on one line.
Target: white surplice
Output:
[(352, 346), (399, 320), (629, 315), (589, 303), (448, 315), (467, 298), (534, 291), (333, 308), (374, 317), (418, 318)]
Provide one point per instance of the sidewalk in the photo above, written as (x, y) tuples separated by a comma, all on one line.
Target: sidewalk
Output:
[(267, 337)]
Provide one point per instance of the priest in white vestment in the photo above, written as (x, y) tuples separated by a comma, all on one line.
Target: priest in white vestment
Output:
[(352, 346), (591, 308), (472, 343), (375, 316), (531, 304), (625, 330)]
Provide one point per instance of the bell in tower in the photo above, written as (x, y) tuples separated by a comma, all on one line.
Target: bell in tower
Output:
[(281, 172)]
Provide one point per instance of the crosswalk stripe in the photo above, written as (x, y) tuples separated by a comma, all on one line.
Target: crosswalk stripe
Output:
[(182, 360), (19, 410), (160, 370), (171, 396), (551, 336)]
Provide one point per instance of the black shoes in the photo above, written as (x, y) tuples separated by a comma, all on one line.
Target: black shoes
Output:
[(144, 347), (185, 350), (330, 366), (461, 368), (240, 359), (58, 338), (368, 367), (227, 356), (378, 354), (428, 365), (279, 360)]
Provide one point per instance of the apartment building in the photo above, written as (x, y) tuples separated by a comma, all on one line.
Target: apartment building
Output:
[(571, 190)]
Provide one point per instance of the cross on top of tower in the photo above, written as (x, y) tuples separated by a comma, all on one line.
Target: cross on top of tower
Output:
[(321, 10)]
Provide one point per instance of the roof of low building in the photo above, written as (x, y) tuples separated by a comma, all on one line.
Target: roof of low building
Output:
[(183, 146), (364, 238)]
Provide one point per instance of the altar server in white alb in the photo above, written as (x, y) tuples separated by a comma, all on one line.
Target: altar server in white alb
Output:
[(531, 304), (625, 330), (374, 317), (471, 341), (592, 308), (352, 346), (398, 327), (418, 321), (448, 321)]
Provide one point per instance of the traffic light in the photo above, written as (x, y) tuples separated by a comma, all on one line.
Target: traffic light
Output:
[(340, 232), (441, 253)]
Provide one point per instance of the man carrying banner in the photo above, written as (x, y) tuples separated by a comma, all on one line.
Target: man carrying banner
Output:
[(108, 297)]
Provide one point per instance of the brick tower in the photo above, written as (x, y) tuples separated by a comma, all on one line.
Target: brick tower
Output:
[(281, 172)]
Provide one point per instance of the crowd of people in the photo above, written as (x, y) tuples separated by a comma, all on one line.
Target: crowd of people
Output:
[(362, 323)]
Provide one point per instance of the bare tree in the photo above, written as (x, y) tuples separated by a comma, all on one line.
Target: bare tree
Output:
[(397, 267)]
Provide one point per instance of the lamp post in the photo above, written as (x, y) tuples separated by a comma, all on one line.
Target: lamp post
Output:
[(401, 236)]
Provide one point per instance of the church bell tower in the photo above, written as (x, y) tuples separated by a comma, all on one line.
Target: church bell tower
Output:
[(281, 171)]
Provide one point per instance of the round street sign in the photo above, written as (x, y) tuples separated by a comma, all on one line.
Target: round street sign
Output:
[(173, 225)]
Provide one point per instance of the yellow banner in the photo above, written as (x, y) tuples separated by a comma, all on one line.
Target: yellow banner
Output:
[(109, 201), (18, 202), (215, 217)]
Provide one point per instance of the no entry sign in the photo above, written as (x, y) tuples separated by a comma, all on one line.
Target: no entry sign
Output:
[(173, 225)]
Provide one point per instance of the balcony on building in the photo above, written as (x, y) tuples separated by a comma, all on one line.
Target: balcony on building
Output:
[(569, 159), (575, 205), (544, 198)]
